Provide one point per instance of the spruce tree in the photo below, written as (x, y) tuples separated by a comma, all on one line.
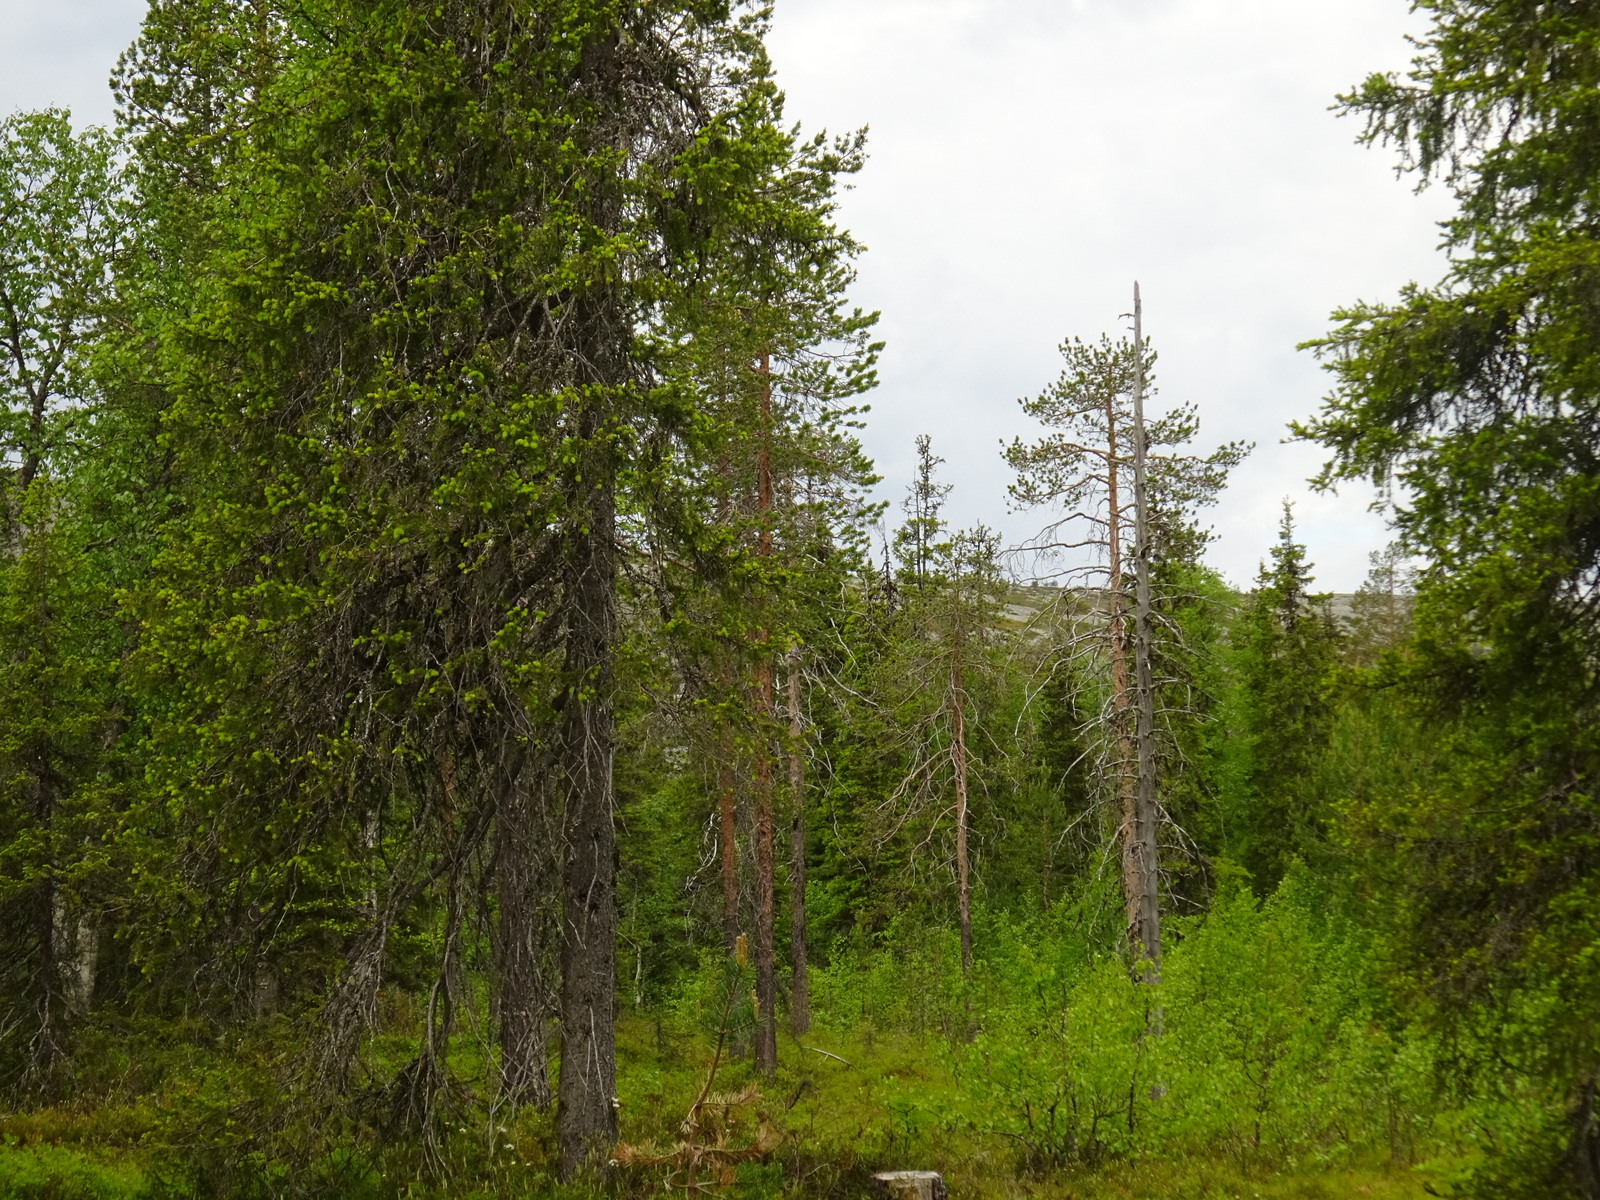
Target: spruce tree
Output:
[(1478, 399), (415, 420), (1285, 647)]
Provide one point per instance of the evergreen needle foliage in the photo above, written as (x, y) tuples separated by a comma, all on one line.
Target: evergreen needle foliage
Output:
[(465, 728)]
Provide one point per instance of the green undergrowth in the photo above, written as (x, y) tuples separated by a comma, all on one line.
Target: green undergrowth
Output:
[(872, 1102), (49, 1172), (1260, 1065)]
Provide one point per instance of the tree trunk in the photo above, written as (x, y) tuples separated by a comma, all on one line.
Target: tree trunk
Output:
[(586, 1086), (766, 970), (586, 1125), (728, 849), (799, 986), (1583, 1143), (49, 1046), (958, 761), (77, 956), (1121, 702), (1145, 930), (525, 940)]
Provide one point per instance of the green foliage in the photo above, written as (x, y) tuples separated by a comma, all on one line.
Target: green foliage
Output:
[(1284, 653), (411, 502), (1478, 398), (62, 208), (54, 1173), (1264, 1046)]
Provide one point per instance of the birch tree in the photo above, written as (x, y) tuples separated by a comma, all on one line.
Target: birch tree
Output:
[(63, 225)]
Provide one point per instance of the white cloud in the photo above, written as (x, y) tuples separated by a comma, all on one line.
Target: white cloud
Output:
[(1030, 159), (59, 53)]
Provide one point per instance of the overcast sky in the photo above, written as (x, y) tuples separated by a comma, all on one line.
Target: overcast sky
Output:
[(1030, 159)]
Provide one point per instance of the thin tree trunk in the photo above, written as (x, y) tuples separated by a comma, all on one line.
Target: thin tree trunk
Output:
[(1145, 924), (766, 968), (727, 797), (958, 760), (728, 848), (766, 971), (47, 1049), (799, 971), (49, 1033)]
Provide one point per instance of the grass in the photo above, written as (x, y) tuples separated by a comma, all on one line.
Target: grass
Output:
[(49, 1172), (887, 1102), (871, 1102)]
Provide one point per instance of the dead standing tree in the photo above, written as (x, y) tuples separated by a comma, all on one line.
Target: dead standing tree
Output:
[(1097, 467), (952, 606), (1141, 871)]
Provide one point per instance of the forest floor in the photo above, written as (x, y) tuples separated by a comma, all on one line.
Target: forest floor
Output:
[(875, 1103), (816, 1131)]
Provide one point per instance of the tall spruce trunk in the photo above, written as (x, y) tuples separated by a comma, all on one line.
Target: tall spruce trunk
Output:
[(525, 939), (766, 969), (586, 1086), (799, 969), (586, 1122), (1145, 916)]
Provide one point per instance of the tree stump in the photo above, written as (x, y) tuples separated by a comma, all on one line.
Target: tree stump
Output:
[(908, 1185)]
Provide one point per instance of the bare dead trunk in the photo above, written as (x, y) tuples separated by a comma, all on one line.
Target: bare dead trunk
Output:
[(1145, 923), (799, 970), (1121, 701)]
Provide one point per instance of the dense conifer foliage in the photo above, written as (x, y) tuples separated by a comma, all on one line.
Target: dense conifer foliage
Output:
[(465, 728)]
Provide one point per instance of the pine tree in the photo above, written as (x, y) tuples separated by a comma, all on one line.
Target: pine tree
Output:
[(1085, 469), (1381, 611)]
